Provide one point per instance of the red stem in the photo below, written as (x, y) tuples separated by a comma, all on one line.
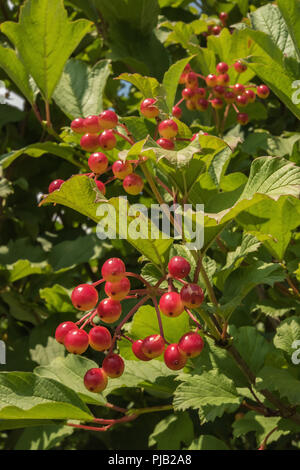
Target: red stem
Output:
[(161, 329), (128, 139)]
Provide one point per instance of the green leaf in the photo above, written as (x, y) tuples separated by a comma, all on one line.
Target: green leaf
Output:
[(25, 396), (171, 79), (57, 299), (43, 437), (79, 92), (208, 442), (20, 309), (261, 425), (171, 432), (281, 381), (290, 11), (148, 86), (45, 38), (287, 334)]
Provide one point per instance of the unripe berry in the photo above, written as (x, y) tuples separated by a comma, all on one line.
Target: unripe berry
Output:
[(191, 106), (153, 346), (84, 297), (98, 163), (166, 144), (223, 79), (56, 184), (199, 93), (89, 142), (211, 80), (250, 95), (148, 108), (173, 358), (113, 270), (117, 290), (238, 89), (108, 119), (202, 104), (217, 103), (242, 100), (229, 97), (109, 310), (78, 126), (179, 267), (191, 344), (101, 186), (243, 118), (192, 295), (239, 66), (219, 91), (187, 93), (171, 304), (191, 80), (100, 338), (76, 341), (168, 129), (133, 184), (137, 350), (121, 169), (95, 380), (216, 30), (263, 91), (222, 67), (113, 365), (107, 140), (176, 112), (186, 70), (63, 329), (92, 125)]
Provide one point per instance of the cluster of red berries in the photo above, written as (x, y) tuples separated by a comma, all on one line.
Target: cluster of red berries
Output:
[(215, 28), (117, 288)]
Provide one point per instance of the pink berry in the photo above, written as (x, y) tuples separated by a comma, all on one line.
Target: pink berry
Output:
[(109, 310), (177, 112), (137, 350), (229, 97), (263, 91), (217, 103), (240, 67), (153, 346), (186, 70), (56, 184), (173, 358), (191, 80), (133, 184), (101, 186), (108, 119), (148, 108), (95, 380), (84, 297), (121, 169), (187, 93), (242, 100), (100, 338), (219, 90), (243, 118), (216, 30), (98, 163), (202, 104), (250, 95), (113, 270), (113, 365), (166, 144), (78, 126), (211, 80), (117, 290), (76, 341), (179, 267), (191, 344), (222, 67), (192, 295), (89, 142), (168, 129), (92, 125), (223, 16), (199, 93), (171, 304), (223, 79), (107, 140), (238, 89), (63, 329)]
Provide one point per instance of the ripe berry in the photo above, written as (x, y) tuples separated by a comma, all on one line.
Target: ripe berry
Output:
[(108, 119), (191, 80), (238, 89), (168, 129), (191, 344), (192, 295), (242, 100), (211, 80), (166, 144), (243, 118), (187, 93), (117, 290), (101, 186), (84, 297), (109, 310), (186, 70), (89, 142), (107, 140), (223, 16), (217, 103), (176, 112), (179, 267), (56, 184), (92, 125), (100, 338), (250, 95), (199, 93), (216, 30), (76, 341), (153, 346), (98, 163), (173, 358), (95, 380), (223, 79), (78, 126), (263, 91), (137, 350), (113, 365), (121, 169), (113, 270), (148, 108), (239, 66), (63, 329), (219, 91), (202, 104), (133, 184), (171, 304), (229, 97), (222, 67)]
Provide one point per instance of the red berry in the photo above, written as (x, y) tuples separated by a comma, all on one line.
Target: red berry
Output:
[(84, 297), (173, 358), (166, 144), (107, 140), (199, 93), (211, 80), (250, 95), (186, 70), (239, 66), (243, 118), (117, 290), (108, 119), (223, 16), (202, 104), (98, 163), (187, 93), (179, 267), (242, 100), (63, 329), (171, 304), (95, 380), (223, 79), (56, 184), (229, 97), (222, 67), (168, 129), (148, 108), (133, 184), (78, 126), (191, 344), (101, 186), (92, 125), (76, 341), (89, 142), (191, 80), (137, 350), (176, 111), (113, 270), (113, 365), (100, 338), (153, 346), (192, 295), (121, 169), (217, 103), (238, 89), (219, 90), (191, 106), (263, 91), (216, 30), (109, 310)]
